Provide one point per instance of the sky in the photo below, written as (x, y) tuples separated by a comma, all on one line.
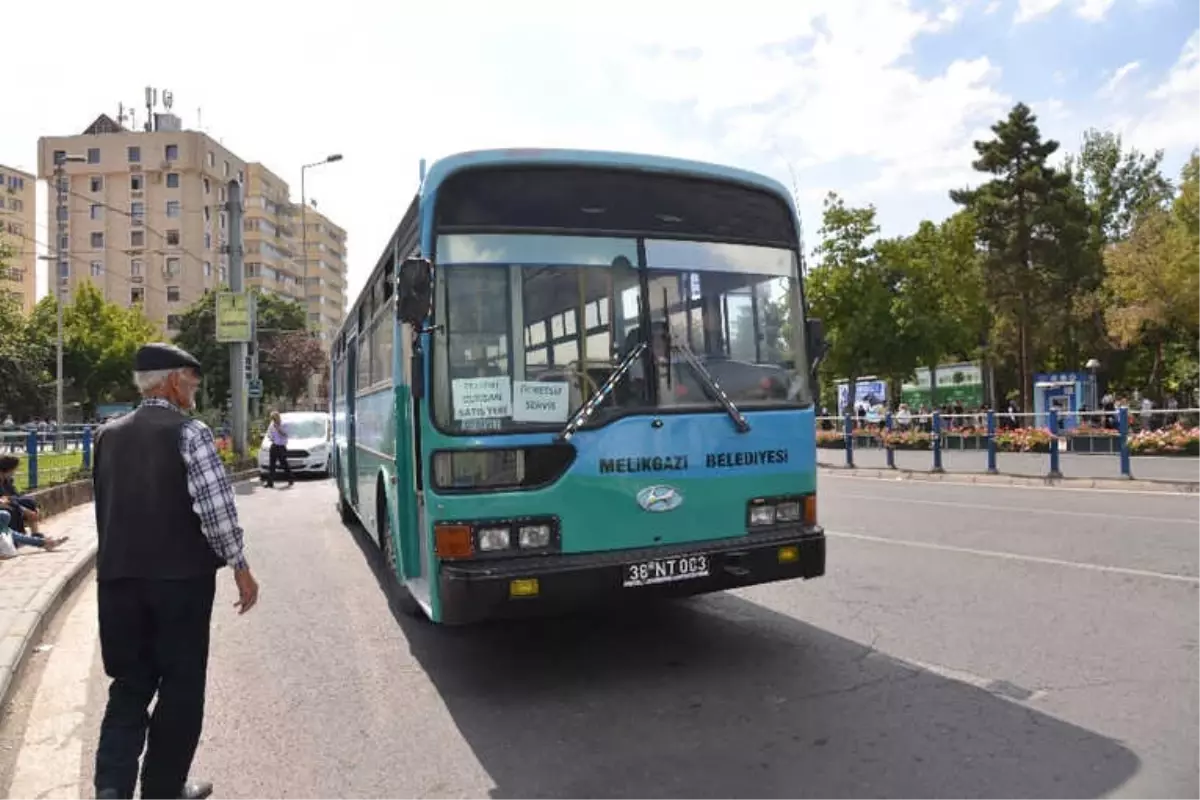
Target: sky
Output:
[(878, 100)]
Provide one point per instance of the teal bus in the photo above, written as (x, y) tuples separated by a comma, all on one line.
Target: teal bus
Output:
[(576, 377)]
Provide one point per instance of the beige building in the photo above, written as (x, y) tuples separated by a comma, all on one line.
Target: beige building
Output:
[(18, 233), (144, 213), (327, 271), (146, 222)]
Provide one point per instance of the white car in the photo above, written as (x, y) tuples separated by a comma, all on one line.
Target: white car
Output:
[(309, 449)]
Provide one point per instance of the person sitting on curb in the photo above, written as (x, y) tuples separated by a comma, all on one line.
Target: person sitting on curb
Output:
[(26, 540), (21, 507)]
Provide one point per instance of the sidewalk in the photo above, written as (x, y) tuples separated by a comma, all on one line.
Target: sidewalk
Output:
[(33, 584)]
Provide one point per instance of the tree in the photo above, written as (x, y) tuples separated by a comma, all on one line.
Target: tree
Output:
[(100, 340), (198, 335), (288, 360), (852, 290), (1119, 186), (1154, 278), (1028, 221), (23, 377), (939, 309)]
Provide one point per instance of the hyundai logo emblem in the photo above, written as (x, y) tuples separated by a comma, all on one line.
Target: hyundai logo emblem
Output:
[(659, 498)]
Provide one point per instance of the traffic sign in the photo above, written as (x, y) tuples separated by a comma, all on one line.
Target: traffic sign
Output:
[(254, 388), (233, 317)]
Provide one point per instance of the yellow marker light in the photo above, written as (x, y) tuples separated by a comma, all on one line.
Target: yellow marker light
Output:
[(789, 554), (523, 587), (810, 509)]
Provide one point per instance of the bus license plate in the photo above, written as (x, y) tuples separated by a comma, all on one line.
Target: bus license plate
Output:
[(666, 570)]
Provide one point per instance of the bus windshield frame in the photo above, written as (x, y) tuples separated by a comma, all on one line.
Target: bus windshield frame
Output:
[(731, 310)]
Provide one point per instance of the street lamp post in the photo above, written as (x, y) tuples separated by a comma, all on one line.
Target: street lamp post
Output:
[(60, 280), (304, 232), (304, 221), (1093, 365)]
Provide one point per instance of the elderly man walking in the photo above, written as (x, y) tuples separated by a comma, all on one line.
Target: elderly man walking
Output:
[(166, 523)]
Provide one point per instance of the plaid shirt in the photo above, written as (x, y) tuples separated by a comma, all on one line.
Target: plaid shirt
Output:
[(212, 496)]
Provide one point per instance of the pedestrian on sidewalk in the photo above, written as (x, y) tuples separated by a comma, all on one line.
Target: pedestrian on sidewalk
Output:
[(166, 523)]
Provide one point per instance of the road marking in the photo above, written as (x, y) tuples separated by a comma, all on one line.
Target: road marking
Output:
[(901, 478), (1024, 510), (1141, 573), (48, 764)]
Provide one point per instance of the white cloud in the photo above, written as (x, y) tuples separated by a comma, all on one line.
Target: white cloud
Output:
[(1110, 86), (1090, 10), (1170, 120)]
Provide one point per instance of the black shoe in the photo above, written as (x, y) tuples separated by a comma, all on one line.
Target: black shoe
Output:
[(196, 790), (107, 794)]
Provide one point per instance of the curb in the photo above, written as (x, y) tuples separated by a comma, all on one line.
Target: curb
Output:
[(18, 643), (1111, 484)]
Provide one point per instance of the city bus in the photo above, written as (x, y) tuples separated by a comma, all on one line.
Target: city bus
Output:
[(579, 377)]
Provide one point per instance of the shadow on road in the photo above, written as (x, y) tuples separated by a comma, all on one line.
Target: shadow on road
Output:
[(720, 697)]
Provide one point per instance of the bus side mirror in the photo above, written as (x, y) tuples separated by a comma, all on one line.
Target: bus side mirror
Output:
[(817, 346), (414, 290)]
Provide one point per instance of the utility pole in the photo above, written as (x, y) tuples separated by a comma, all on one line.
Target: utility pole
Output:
[(237, 350), (60, 281)]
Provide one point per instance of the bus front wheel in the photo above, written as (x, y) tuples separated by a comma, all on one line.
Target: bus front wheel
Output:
[(400, 594)]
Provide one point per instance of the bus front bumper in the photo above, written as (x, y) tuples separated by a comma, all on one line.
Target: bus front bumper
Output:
[(521, 587)]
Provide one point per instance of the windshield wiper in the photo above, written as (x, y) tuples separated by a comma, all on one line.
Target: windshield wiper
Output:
[(706, 377), (589, 408)]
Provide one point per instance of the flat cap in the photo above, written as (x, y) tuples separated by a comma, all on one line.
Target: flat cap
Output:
[(159, 355)]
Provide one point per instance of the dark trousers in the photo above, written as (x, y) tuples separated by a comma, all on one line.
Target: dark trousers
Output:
[(278, 453), (17, 506), (153, 640)]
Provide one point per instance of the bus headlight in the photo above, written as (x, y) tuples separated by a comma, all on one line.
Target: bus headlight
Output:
[(492, 539), (534, 536), (762, 515), (788, 511)]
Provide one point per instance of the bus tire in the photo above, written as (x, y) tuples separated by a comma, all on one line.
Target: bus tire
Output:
[(400, 594)]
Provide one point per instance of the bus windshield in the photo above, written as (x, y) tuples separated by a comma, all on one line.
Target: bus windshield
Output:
[(530, 326)]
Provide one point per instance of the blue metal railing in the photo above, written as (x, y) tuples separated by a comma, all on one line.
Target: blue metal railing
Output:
[(44, 459)]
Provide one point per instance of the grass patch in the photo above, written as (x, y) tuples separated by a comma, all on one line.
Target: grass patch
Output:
[(53, 469)]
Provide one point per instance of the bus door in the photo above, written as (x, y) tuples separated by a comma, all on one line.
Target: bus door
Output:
[(351, 420)]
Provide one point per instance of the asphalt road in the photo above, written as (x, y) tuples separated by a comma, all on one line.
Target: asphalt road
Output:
[(967, 641), (1071, 465)]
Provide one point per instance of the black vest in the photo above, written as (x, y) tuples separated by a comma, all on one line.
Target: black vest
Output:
[(145, 524)]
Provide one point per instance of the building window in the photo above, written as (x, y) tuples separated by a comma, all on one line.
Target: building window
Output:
[(93, 155), (226, 169), (136, 182), (135, 268), (97, 269), (208, 241), (172, 180), (207, 214), (137, 295), (172, 267), (137, 210), (208, 269), (207, 188), (96, 211), (174, 321), (62, 214), (64, 242), (59, 155), (222, 220), (241, 176), (137, 238), (212, 159), (172, 294), (16, 205), (134, 154), (172, 208), (221, 193), (97, 240), (173, 238), (224, 273), (172, 152), (97, 183)]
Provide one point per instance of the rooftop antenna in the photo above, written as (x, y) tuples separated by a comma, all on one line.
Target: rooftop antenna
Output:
[(151, 102), (168, 99), (120, 113), (199, 120)]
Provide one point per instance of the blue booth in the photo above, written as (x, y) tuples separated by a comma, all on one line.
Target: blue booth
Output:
[(1065, 393)]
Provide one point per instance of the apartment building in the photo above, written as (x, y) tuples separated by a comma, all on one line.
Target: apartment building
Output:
[(143, 213), (270, 235), (18, 232), (326, 256)]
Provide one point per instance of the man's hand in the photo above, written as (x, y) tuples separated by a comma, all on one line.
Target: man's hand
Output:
[(247, 590)]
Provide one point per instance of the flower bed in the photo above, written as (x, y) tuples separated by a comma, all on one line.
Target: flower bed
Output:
[(907, 440), (1173, 441)]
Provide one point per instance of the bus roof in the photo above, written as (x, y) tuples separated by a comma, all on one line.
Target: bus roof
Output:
[(445, 167)]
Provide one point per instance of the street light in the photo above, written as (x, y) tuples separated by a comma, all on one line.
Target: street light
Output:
[(304, 228), (60, 280), (1093, 365)]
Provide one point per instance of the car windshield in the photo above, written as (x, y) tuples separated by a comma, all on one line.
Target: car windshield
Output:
[(579, 306), (304, 427)]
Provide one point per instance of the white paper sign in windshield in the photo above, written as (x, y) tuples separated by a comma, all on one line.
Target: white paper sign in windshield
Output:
[(481, 398), (541, 401)]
